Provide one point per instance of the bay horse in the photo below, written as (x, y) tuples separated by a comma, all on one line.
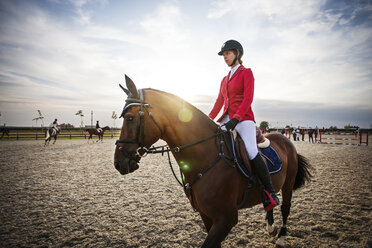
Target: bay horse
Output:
[(214, 188), (51, 133), (4, 131), (92, 131)]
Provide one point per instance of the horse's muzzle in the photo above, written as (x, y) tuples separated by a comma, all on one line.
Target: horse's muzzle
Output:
[(126, 165)]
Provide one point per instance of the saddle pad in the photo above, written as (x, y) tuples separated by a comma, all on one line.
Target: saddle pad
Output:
[(274, 163)]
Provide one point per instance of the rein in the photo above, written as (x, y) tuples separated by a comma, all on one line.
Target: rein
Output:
[(165, 149)]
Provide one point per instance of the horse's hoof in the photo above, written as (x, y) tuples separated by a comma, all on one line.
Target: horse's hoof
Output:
[(274, 231), (280, 242)]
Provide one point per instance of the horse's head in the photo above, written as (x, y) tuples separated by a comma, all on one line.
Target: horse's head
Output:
[(138, 132), (106, 128)]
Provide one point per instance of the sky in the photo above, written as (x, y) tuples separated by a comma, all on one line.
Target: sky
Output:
[(312, 60)]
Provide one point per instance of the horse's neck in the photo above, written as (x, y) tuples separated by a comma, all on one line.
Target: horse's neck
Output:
[(178, 133), (195, 157)]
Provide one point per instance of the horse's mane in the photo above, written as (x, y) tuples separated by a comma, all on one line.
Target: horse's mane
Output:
[(186, 103)]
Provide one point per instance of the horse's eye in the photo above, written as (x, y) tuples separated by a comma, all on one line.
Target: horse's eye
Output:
[(130, 118)]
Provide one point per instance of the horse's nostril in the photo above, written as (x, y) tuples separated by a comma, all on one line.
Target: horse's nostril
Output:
[(116, 165)]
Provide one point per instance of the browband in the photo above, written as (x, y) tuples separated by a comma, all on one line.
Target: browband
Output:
[(130, 102)]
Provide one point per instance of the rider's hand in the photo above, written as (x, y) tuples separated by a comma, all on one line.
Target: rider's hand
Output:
[(230, 125)]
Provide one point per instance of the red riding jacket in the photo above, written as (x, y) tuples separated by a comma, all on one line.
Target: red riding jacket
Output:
[(236, 95)]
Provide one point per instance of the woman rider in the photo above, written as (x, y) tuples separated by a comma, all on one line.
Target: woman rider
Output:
[(99, 129), (55, 125), (236, 95)]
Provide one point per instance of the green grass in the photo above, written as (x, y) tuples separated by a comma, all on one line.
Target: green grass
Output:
[(64, 134)]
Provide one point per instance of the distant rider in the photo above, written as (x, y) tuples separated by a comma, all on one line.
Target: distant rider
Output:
[(99, 129), (55, 126)]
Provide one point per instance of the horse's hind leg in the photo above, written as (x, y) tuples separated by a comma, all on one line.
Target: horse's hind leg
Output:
[(285, 209), (271, 228)]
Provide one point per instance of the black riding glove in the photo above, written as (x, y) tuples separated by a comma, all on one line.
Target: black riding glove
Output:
[(230, 125)]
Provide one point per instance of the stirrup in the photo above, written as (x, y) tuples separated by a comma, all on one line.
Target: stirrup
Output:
[(269, 202)]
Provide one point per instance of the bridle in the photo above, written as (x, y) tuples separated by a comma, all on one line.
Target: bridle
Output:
[(142, 150)]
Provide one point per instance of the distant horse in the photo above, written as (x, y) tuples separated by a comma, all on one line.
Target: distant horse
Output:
[(213, 185), (4, 131), (92, 131), (51, 132)]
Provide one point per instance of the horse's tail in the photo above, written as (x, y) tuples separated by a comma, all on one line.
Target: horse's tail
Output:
[(303, 172), (47, 134)]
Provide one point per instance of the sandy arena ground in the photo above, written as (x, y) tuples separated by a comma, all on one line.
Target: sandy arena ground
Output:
[(70, 195)]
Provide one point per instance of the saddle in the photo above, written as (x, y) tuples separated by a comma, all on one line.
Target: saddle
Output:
[(262, 143), (241, 159)]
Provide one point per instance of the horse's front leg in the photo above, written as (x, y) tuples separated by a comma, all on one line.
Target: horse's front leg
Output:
[(219, 229)]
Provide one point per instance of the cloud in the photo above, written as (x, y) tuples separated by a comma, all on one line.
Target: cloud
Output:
[(296, 52), (70, 55), (282, 113), (83, 14), (219, 9), (45, 48)]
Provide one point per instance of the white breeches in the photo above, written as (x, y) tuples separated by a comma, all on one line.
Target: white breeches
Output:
[(247, 131)]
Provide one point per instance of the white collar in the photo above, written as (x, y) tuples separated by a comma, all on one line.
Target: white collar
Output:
[(233, 70)]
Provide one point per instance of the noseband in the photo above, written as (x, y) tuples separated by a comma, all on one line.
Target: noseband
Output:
[(140, 136)]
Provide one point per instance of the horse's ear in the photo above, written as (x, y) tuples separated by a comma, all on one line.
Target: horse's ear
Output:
[(124, 89), (131, 87)]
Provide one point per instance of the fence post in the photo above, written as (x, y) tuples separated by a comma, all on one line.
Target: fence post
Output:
[(367, 138), (360, 137)]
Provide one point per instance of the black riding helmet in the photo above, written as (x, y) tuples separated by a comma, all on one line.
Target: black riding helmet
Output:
[(232, 45)]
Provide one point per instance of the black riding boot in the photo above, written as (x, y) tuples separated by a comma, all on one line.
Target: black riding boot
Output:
[(260, 168)]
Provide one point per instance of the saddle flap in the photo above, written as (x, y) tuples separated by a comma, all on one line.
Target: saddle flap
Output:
[(241, 152), (268, 153)]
